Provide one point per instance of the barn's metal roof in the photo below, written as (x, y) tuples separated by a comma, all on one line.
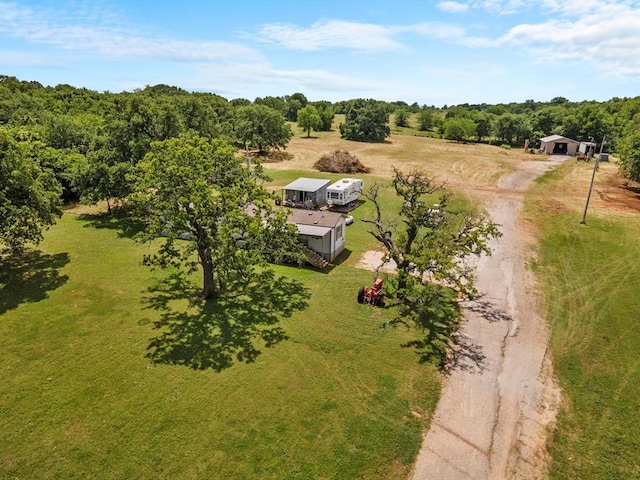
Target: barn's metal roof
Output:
[(555, 138), (307, 184)]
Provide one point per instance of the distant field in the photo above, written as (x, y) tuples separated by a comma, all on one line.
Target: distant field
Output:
[(457, 163), (590, 278)]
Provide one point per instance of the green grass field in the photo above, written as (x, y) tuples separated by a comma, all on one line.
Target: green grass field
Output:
[(340, 399), (78, 398), (591, 280)]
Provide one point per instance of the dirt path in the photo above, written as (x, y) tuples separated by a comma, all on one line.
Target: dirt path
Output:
[(499, 400)]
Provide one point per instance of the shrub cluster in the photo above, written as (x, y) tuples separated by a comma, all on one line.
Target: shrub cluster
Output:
[(340, 161)]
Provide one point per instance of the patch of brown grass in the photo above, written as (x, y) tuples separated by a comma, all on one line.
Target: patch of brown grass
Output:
[(454, 163), (276, 156)]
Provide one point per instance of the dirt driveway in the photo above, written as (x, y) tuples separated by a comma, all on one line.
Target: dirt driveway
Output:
[(499, 401)]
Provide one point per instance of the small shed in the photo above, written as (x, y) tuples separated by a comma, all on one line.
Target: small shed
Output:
[(323, 232), (306, 193), (588, 148), (558, 145)]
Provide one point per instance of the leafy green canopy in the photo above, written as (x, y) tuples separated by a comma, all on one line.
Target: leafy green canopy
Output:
[(402, 117), (213, 213), (326, 112), (430, 243), (630, 150), (309, 119), (262, 127), (29, 193), (459, 129), (366, 121), (196, 188)]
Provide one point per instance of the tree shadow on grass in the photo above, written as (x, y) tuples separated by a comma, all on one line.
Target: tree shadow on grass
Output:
[(29, 277), (274, 156), (119, 220), (633, 189), (211, 335)]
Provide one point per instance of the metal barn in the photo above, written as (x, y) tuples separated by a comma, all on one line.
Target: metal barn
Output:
[(558, 145)]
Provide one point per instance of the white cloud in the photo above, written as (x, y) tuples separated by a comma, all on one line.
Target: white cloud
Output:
[(504, 7), (110, 41), (365, 37), (608, 38), (445, 31), (453, 7)]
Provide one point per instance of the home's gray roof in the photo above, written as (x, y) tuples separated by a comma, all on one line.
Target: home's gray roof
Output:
[(312, 230), (555, 138), (304, 184), (320, 218)]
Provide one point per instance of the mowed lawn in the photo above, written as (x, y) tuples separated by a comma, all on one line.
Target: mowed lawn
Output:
[(78, 398), (590, 276)]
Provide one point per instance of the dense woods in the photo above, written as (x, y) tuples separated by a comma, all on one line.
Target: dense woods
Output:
[(76, 144)]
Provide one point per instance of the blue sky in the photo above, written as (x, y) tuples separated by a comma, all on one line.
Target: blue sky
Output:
[(433, 53)]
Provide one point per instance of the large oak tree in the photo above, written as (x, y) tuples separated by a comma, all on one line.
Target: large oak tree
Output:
[(309, 119), (430, 242), (212, 211), (261, 127), (29, 193)]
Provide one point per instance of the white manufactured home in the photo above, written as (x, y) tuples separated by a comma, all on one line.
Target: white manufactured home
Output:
[(344, 191), (323, 232)]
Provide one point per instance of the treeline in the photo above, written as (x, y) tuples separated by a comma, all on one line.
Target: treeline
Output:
[(509, 124), (74, 143)]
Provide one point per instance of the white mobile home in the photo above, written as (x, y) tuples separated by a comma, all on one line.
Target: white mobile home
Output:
[(321, 231), (344, 191)]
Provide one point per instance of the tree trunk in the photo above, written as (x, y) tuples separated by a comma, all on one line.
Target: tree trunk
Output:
[(208, 284), (402, 279)]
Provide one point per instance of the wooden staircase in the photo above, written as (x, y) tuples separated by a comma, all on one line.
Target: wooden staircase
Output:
[(314, 258)]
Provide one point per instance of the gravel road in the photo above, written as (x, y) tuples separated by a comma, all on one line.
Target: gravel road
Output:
[(499, 401)]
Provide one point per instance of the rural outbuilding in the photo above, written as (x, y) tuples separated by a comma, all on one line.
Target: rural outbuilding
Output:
[(588, 148), (306, 193), (323, 232), (558, 145)]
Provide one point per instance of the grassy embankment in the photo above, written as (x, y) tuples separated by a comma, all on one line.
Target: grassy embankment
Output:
[(590, 276)]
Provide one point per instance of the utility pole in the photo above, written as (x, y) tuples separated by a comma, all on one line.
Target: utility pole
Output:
[(593, 176)]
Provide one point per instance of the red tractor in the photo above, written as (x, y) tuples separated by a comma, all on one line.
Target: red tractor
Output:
[(372, 295)]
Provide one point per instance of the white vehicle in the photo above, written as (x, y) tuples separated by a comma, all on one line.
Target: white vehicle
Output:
[(344, 191)]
